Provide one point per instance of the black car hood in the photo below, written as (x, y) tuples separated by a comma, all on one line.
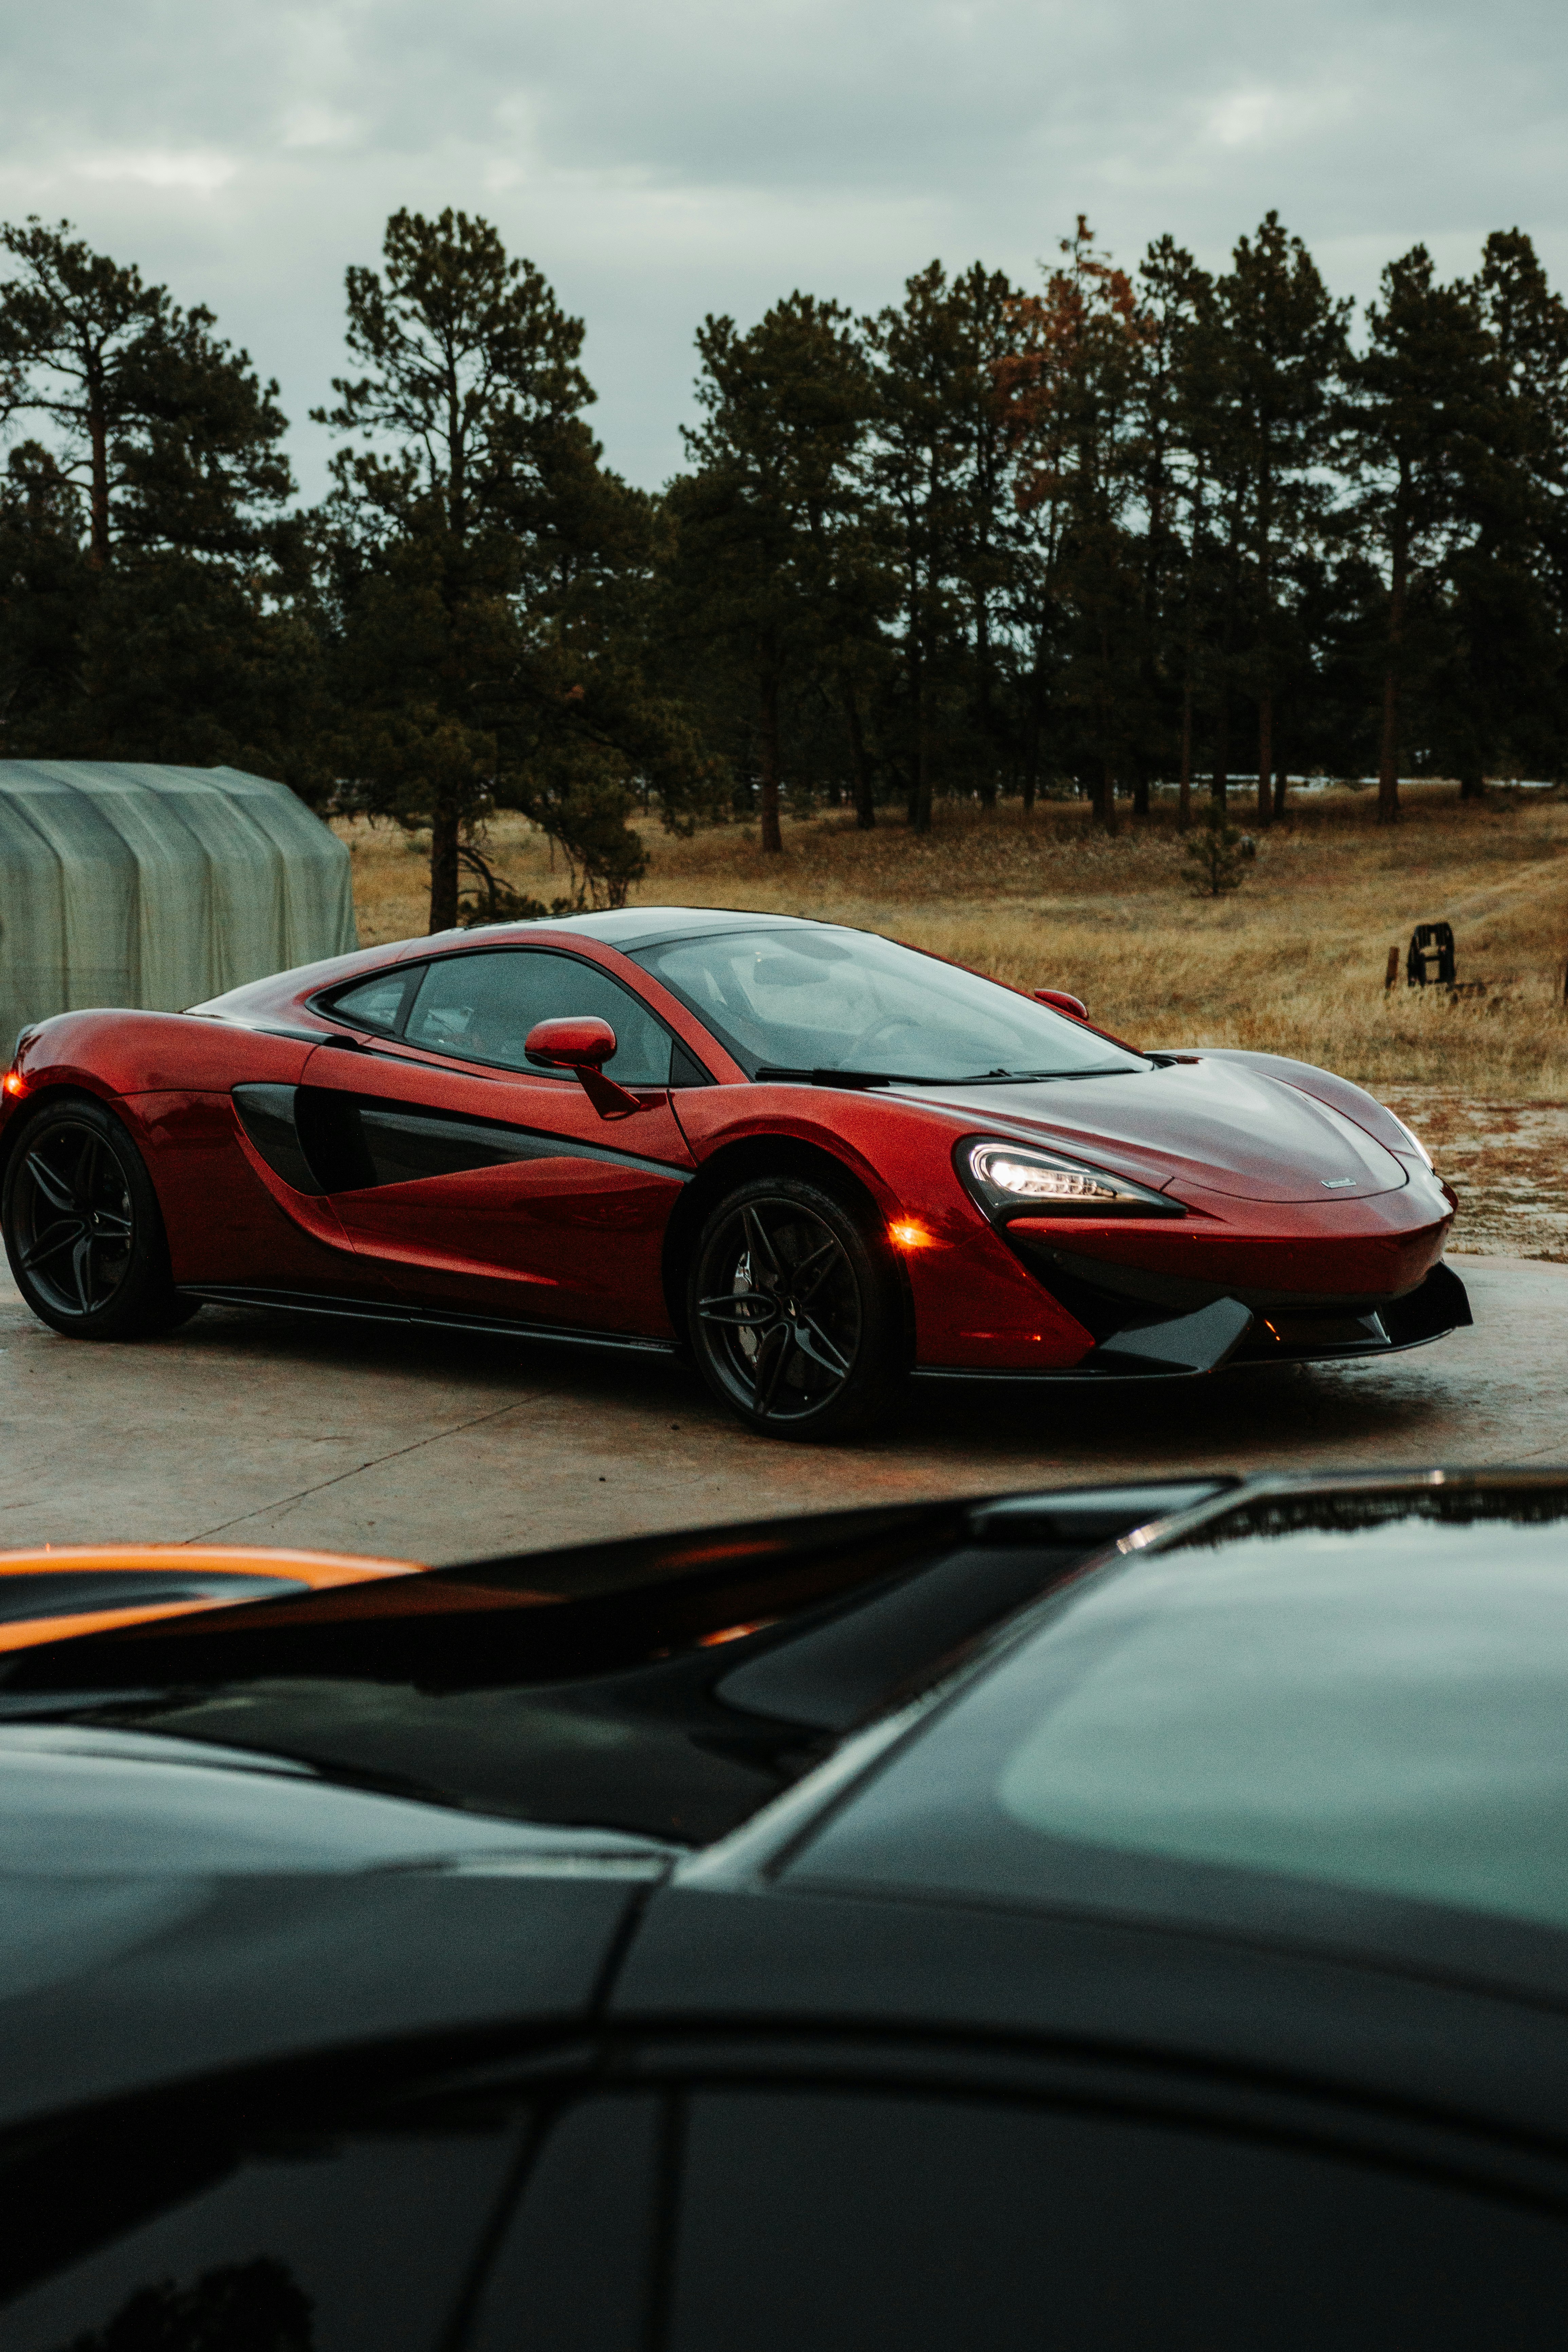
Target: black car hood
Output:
[(168, 1912)]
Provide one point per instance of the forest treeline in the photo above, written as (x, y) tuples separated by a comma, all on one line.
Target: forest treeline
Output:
[(1119, 528)]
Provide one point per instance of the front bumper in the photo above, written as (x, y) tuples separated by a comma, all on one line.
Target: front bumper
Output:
[(1226, 1332)]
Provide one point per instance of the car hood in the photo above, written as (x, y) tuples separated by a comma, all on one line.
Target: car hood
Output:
[(1212, 1123)]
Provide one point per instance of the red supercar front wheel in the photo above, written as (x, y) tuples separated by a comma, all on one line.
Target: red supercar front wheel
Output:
[(793, 1312)]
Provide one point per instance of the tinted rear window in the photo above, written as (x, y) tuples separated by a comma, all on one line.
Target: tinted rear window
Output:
[(1366, 1695)]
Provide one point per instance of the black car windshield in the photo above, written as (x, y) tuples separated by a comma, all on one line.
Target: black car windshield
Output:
[(1315, 1711), (822, 999)]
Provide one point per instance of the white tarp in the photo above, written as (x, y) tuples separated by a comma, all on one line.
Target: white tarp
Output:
[(131, 884)]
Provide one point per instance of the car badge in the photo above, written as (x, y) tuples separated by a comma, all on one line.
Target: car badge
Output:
[(1333, 1183)]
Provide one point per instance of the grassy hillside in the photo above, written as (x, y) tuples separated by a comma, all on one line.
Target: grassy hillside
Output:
[(1293, 962)]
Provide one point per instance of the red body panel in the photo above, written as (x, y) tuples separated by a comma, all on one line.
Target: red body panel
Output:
[(223, 1207), (1292, 1180), (1306, 1250), (572, 1239)]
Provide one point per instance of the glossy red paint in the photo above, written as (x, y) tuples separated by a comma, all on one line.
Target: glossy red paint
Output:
[(519, 1198), (570, 1045), (575, 1238)]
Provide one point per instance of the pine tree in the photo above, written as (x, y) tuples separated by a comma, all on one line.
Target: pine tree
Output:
[(1427, 418), (151, 520), (1071, 392), (1284, 345), (168, 435), (1170, 414), (918, 476), (1501, 695), (477, 555), (767, 564)]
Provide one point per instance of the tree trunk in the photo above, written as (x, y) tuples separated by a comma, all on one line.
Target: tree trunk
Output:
[(772, 837), (920, 798), (1388, 749), (1184, 796), (444, 869), (97, 496), (920, 792), (1032, 737), (1141, 786), (1221, 751), (1281, 782), (987, 730), (1265, 756), (1105, 799), (864, 800), (1472, 784)]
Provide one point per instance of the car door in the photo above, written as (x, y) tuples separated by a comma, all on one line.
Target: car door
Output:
[(475, 1181), (842, 2214), (287, 2213)]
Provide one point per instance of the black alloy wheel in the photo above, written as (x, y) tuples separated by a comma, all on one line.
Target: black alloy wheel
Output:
[(795, 1312), (83, 1230)]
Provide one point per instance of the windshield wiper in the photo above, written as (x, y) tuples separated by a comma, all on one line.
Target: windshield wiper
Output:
[(840, 1077), (911, 1078)]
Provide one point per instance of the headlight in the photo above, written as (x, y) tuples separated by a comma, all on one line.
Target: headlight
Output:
[(1013, 1180), (1411, 1137)]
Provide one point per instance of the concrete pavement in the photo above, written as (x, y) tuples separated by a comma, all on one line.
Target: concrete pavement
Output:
[(252, 1427)]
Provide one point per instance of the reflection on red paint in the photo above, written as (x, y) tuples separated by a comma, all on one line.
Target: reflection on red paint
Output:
[(908, 1234)]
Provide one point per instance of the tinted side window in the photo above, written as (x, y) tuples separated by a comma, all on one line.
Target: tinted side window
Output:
[(377, 1003), (838, 2221), (482, 1006), (169, 2234)]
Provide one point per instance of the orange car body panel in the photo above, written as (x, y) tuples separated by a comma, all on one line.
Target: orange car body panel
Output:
[(310, 1570)]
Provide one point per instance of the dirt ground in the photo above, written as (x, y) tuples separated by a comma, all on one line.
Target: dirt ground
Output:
[(1507, 1162)]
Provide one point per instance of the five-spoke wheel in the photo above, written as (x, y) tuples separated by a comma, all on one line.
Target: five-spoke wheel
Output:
[(82, 1228), (794, 1311)]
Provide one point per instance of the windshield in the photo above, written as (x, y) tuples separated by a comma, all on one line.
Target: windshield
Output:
[(820, 999), (1306, 1704)]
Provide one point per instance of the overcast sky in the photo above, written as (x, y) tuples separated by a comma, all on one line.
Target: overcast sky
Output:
[(659, 159)]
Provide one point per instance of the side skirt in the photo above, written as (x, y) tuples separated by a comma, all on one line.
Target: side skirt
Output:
[(370, 1310)]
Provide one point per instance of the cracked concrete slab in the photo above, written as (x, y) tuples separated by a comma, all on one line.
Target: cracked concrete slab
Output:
[(263, 1428)]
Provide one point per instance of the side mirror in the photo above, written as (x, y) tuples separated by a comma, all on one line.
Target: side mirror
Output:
[(582, 1045), (1060, 1002)]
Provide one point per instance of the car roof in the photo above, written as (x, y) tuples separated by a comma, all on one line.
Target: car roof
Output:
[(1315, 1712), (641, 926)]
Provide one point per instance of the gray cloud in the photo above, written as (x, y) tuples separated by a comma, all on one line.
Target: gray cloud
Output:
[(659, 161)]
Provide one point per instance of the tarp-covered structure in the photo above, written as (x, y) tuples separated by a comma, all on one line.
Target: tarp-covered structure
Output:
[(131, 884)]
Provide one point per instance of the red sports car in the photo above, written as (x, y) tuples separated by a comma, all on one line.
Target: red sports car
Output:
[(816, 1158)]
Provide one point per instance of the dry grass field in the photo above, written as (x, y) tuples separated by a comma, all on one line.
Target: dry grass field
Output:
[(1293, 962)]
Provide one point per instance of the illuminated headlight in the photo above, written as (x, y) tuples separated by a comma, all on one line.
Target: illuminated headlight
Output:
[(1412, 1139), (1008, 1180)]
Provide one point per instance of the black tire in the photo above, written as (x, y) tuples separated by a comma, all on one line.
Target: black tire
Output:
[(795, 1312), (83, 1230)]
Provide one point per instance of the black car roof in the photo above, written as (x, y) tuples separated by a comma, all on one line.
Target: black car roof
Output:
[(1318, 1713), (642, 927)]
